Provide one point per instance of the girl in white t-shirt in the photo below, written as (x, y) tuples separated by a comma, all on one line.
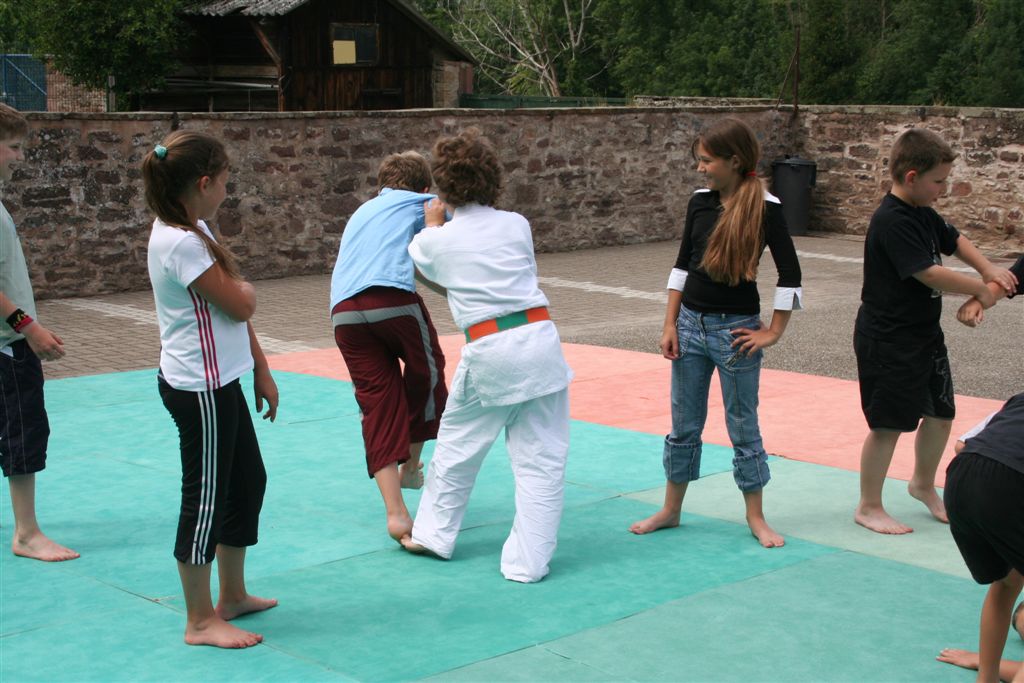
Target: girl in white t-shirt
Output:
[(206, 344)]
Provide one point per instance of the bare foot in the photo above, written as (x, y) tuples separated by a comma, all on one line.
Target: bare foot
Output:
[(879, 521), (962, 658), (416, 548), (662, 519), (399, 525), (764, 534), (250, 603), (219, 633), (40, 547), (930, 498), (411, 477)]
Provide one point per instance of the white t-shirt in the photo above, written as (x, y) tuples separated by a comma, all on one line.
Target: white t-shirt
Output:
[(484, 258), (201, 347)]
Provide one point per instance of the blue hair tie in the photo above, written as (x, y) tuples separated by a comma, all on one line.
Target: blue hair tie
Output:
[(160, 151)]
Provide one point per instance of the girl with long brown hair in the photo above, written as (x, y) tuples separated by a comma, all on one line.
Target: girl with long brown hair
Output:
[(712, 320), (206, 345)]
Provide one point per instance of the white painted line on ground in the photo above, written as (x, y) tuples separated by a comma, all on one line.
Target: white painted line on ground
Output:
[(857, 259), (142, 317), (624, 292), (627, 293)]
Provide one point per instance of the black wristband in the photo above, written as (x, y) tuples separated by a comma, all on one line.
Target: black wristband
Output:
[(14, 318)]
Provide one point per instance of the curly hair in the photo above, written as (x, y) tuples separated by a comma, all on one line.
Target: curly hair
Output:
[(466, 169)]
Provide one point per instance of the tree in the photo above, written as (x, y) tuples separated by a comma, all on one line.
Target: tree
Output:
[(724, 48), (912, 63), (523, 46), (994, 56), (837, 39), (13, 36), (132, 40)]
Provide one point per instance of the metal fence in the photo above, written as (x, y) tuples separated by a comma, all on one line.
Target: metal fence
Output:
[(536, 101), (22, 82)]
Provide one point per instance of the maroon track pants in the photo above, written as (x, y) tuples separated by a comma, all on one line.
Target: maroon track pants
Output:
[(374, 330)]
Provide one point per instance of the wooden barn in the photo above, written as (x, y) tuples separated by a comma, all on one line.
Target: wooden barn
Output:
[(313, 55)]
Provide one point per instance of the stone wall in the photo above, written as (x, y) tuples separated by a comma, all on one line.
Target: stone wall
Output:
[(986, 187), (584, 178)]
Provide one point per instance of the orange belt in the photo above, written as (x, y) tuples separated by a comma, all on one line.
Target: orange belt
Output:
[(506, 322)]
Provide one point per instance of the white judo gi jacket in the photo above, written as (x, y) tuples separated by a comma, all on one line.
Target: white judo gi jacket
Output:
[(515, 380)]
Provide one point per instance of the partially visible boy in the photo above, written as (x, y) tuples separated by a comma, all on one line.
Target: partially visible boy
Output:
[(24, 427), (379, 320), (902, 363), (985, 498)]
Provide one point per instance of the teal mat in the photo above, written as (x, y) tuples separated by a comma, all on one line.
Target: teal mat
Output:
[(681, 604), (837, 617)]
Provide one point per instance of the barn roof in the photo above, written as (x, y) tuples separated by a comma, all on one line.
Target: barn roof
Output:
[(276, 8)]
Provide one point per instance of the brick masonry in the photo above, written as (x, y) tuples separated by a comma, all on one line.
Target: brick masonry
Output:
[(584, 178)]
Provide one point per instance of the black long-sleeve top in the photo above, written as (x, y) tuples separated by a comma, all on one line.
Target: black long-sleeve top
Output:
[(701, 293)]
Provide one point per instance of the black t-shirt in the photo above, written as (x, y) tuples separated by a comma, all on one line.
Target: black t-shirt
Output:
[(1002, 439), (903, 240), (1018, 270), (701, 293)]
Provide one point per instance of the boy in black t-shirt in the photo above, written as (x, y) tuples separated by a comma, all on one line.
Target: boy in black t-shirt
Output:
[(985, 496), (902, 364)]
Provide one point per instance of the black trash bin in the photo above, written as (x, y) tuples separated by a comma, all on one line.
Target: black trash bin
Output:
[(792, 180)]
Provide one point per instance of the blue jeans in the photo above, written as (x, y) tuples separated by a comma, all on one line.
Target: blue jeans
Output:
[(705, 343)]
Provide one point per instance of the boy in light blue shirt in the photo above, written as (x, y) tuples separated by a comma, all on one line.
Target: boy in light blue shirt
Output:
[(380, 320)]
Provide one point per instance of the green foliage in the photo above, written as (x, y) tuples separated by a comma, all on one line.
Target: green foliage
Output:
[(133, 40), (13, 34), (994, 54), (908, 64), (836, 40)]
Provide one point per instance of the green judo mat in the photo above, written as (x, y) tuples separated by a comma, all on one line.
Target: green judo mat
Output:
[(703, 602)]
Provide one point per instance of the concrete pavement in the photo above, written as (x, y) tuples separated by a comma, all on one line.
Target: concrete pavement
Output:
[(612, 297)]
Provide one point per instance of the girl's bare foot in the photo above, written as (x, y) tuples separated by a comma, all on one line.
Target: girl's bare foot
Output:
[(764, 534), (39, 547), (928, 496), (961, 658), (219, 633), (662, 519), (250, 603), (411, 477), (399, 526), (879, 521)]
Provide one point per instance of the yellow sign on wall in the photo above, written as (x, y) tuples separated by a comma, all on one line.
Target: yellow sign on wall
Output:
[(344, 51)]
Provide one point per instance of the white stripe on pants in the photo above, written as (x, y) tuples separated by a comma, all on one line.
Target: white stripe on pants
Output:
[(537, 438)]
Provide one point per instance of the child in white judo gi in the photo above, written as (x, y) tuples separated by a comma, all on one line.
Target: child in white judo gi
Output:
[(512, 375)]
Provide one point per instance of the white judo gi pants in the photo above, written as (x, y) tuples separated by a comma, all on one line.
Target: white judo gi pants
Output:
[(537, 438)]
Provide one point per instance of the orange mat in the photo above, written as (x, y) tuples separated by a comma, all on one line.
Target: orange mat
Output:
[(803, 417)]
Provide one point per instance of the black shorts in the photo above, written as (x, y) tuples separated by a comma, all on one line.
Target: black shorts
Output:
[(985, 502), (24, 427), (901, 383)]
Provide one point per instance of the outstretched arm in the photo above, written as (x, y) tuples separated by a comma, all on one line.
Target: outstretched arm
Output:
[(969, 254), (947, 280)]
